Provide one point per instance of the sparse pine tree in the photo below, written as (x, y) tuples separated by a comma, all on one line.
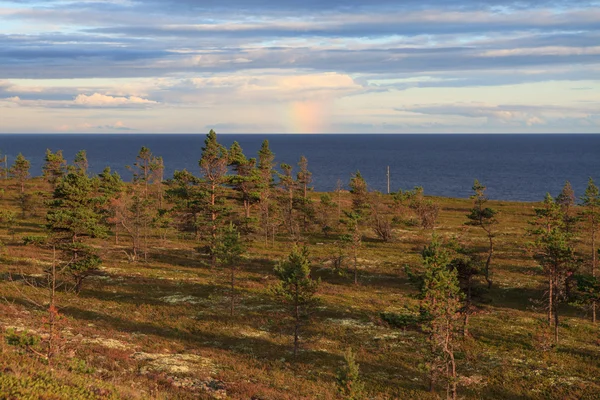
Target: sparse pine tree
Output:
[(81, 162), (287, 185), (55, 166), (304, 176), (555, 255), (360, 194), (229, 253), (20, 171), (350, 386), (245, 179), (297, 289), (265, 181), (110, 189), (484, 218), (213, 166), (567, 202), (591, 214), (441, 302), (353, 238), (71, 218), (189, 200)]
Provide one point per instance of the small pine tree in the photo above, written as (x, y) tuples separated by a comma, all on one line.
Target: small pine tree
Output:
[(591, 214), (297, 288), (441, 302), (55, 166), (20, 171), (264, 183), (556, 256), (567, 201), (81, 162), (353, 238), (348, 380), (287, 186), (245, 179), (213, 165), (189, 201), (304, 176), (71, 218), (229, 253), (484, 218), (360, 194)]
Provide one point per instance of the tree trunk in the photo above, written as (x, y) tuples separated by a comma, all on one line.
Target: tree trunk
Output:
[(550, 300), (247, 208), (355, 267), (297, 321), (555, 321), (213, 217), (593, 268), (232, 289), (489, 261)]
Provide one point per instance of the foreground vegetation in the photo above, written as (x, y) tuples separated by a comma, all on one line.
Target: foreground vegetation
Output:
[(240, 282)]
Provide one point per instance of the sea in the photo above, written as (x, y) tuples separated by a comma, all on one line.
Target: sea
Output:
[(521, 167)]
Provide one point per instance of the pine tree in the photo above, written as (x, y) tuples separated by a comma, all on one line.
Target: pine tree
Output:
[(441, 301), (110, 188), (20, 171), (591, 213), (555, 255), (567, 201), (264, 184), (213, 166), (360, 194), (245, 179), (353, 238), (229, 253), (548, 218), (288, 186), (304, 176), (189, 200), (55, 166), (348, 380), (380, 219), (4, 166), (142, 168), (81, 162), (297, 288), (484, 218), (72, 218)]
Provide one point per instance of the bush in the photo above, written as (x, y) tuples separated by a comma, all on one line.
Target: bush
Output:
[(34, 240), (402, 320), (22, 339)]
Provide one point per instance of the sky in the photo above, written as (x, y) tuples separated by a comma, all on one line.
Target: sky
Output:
[(300, 66)]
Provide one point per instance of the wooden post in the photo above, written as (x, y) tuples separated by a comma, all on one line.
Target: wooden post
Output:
[(388, 179)]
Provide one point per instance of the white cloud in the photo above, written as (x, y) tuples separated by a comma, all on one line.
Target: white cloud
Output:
[(101, 100)]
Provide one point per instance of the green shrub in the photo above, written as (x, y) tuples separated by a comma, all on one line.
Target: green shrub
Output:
[(34, 240)]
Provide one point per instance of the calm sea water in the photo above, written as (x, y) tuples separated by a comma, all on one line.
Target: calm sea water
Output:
[(513, 167)]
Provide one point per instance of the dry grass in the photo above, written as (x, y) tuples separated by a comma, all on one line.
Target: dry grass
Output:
[(161, 329)]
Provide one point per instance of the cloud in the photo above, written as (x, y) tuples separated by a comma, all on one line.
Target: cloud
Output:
[(89, 127), (340, 64), (101, 100), (515, 114)]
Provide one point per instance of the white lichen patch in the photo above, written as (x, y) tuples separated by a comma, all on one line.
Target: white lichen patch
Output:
[(175, 363), (109, 343), (180, 298), (350, 323), (253, 333)]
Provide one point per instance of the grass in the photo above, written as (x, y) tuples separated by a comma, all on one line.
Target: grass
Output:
[(161, 329)]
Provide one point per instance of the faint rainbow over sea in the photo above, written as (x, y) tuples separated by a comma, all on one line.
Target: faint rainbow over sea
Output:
[(308, 116)]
